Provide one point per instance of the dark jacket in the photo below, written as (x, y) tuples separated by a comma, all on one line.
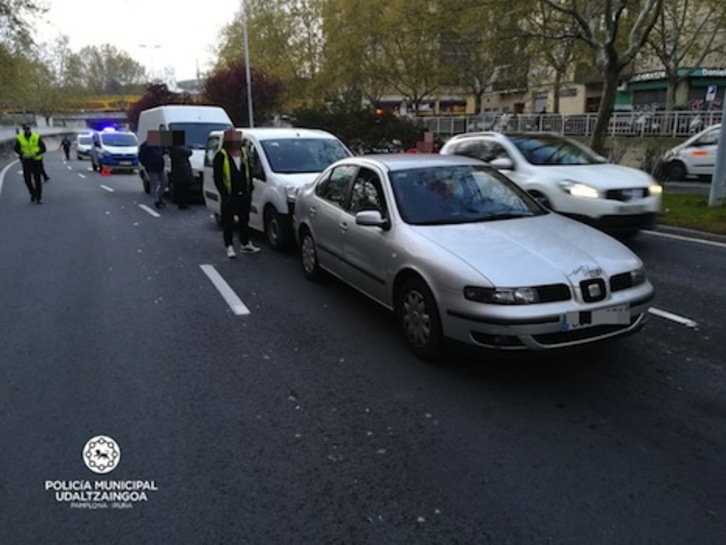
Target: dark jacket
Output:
[(181, 168), (151, 157), (240, 184)]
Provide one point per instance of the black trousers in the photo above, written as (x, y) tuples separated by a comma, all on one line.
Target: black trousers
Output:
[(237, 205), (32, 172)]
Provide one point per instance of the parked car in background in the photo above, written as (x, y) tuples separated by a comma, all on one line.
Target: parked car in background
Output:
[(568, 177), (459, 251), (114, 150), (84, 144), (281, 160), (694, 157)]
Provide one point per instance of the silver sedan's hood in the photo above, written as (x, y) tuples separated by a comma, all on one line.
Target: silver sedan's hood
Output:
[(540, 250), (603, 177)]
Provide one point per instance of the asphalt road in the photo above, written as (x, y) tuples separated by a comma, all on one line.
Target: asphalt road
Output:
[(306, 420)]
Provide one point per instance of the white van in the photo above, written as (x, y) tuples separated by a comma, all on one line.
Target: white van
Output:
[(281, 160), (694, 157), (196, 122)]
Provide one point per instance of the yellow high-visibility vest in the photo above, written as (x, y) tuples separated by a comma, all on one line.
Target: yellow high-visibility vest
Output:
[(227, 170), (30, 147)]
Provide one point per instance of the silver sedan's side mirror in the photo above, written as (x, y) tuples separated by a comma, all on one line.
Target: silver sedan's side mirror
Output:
[(372, 218)]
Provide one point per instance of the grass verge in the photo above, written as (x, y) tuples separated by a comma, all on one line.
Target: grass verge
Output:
[(692, 212)]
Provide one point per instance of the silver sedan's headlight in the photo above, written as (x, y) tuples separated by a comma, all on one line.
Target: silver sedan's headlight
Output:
[(502, 296), (578, 189)]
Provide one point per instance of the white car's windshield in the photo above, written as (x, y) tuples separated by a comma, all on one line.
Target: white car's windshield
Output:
[(546, 150), (458, 194), (125, 139), (300, 155)]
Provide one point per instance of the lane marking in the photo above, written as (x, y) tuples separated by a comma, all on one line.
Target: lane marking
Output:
[(110, 190), (234, 302), (673, 317), (686, 239), (2, 174), (149, 210), (81, 175)]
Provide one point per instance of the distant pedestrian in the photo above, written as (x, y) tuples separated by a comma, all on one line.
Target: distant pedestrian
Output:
[(151, 157), (234, 183), (66, 145), (30, 149), (181, 174)]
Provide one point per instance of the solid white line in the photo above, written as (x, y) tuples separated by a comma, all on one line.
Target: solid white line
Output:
[(107, 188), (234, 302), (673, 317), (149, 210), (2, 174), (687, 239), (81, 175)]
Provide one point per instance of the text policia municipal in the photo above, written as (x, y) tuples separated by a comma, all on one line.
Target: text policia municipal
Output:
[(87, 491)]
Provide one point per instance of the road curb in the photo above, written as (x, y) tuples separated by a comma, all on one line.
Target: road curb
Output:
[(693, 233)]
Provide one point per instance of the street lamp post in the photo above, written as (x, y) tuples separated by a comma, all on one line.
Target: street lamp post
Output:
[(151, 47), (250, 110)]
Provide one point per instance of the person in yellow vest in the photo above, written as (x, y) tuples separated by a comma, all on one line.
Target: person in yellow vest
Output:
[(234, 183), (30, 149)]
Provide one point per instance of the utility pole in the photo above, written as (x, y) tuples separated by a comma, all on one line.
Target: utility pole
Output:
[(250, 110), (718, 182)]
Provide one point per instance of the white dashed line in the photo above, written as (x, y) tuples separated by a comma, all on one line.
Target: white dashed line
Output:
[(687, 239), (149, 210), (673, 317), (234, 302), (110, 190), (81, 175)]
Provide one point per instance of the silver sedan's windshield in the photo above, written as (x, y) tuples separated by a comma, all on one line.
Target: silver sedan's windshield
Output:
[(458, 194), (548, 149)]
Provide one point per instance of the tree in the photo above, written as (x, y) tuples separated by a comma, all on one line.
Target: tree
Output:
[(157, 94), (600, 25), (108, 70), (686, 34), (227, 87), (14, 25)]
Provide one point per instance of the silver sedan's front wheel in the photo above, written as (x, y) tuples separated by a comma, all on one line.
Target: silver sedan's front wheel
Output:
[(419, 319)]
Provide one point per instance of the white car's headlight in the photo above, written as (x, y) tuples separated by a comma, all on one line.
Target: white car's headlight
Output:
[(502, 296), (638, 276), (655, 190), (578, 189)]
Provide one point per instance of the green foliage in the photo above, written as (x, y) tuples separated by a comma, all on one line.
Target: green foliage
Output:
[(692, 212), (360, 129)]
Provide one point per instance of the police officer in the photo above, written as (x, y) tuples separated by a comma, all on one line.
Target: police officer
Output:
[(30, 149), (234, 183)]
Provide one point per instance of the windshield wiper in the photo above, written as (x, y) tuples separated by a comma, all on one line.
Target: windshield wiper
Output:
[(508, 215)]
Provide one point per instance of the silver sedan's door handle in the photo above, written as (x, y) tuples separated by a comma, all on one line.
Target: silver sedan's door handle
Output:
[(343, 225)]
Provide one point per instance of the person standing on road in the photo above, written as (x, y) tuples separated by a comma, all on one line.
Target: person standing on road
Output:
[(181, 173), (151, 156), (234, 183), (30, 149), (66, 145)]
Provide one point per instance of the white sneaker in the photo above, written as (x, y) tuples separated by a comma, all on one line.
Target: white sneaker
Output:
[(230, 252), (249, 248)]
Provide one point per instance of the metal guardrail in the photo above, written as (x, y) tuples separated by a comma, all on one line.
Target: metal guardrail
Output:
[(667, 124)]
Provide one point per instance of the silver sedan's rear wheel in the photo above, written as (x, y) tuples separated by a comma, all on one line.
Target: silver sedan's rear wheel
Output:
[(419, 319), (309, 257)]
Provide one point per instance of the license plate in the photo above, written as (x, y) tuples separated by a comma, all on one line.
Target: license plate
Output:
[(632, 209), (619, 315), (124, 162)]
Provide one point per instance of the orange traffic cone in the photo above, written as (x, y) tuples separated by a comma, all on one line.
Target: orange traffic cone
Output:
[(105, 171)]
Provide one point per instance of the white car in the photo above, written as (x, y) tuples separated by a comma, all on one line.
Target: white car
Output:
[(694, 157), (459, 251), (281, 160), (568, 177)]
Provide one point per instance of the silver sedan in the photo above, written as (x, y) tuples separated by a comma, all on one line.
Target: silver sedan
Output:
[(459, 251)]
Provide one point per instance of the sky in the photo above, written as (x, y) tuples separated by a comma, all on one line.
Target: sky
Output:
[(184, 31)]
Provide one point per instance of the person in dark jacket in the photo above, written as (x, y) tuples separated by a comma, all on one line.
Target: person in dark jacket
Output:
[(66, 145), (30, 149), (234, 183), (151, 156), (181, 174)]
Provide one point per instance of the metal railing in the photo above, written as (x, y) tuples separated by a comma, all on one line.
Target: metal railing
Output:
[(666, 124)]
